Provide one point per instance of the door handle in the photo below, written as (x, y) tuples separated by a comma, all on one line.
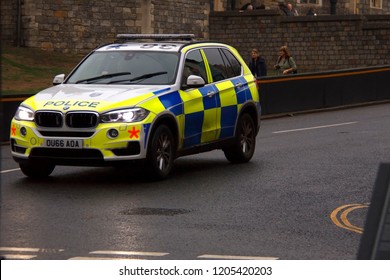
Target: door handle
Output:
[(211, 93), (239, 85)]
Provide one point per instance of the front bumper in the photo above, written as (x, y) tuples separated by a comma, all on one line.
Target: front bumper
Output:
[(79, 147)]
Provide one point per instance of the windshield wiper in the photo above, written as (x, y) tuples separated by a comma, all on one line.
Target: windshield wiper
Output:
[(106, 76), (142, 77)]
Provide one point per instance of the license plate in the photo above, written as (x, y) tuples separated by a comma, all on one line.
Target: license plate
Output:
[(64, 143)]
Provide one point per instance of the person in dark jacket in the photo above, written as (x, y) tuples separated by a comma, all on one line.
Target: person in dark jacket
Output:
[(257, 64)]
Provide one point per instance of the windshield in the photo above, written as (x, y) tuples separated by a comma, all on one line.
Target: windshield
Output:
[(127, 67)]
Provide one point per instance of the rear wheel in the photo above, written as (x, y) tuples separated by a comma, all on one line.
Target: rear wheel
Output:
[(161, 153), (36, 169), (244, 144)]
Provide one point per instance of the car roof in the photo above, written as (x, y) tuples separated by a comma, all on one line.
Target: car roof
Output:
[(153, 42)]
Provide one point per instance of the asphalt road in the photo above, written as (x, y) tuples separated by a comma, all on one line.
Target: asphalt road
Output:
[(304, 195)]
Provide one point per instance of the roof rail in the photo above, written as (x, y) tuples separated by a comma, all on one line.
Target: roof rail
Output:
[(156, 37)]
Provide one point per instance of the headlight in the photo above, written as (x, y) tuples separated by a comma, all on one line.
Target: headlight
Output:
[(24, 114), (125, 115)]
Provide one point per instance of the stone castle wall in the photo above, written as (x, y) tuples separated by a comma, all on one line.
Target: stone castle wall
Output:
[(77, 26), (317, 43), (184, 16)]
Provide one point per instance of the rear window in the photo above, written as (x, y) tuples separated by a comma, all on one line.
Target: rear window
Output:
[(223, 64)]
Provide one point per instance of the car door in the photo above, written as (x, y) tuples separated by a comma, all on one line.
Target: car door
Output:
[(232, 88), (200, 104)]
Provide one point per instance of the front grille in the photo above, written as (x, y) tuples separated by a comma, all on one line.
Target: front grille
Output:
[(48, 119), (81, 119), (72, 119), (80, 134)]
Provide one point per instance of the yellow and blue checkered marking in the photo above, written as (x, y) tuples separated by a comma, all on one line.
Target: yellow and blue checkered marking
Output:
[(173, 102), (207, 118)]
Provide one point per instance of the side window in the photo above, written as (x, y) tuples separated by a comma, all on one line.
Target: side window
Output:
[(232, 65), (217, 65), (194, 65)]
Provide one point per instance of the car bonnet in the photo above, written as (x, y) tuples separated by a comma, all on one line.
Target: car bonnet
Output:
[(98, 98)]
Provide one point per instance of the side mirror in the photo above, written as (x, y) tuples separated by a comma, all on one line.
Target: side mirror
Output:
[(59, 79), (194, 81)]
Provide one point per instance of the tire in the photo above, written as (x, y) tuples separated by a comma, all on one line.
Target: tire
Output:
[(244, 143), (161, 153), (36, 170)]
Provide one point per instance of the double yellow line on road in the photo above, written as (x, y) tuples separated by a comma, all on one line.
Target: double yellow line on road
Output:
[(339, 216)]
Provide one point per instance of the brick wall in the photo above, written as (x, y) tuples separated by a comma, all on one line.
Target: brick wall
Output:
[(317, 43)]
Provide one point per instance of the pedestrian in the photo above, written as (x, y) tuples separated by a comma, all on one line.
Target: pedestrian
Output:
[(311, 12), (257, 64), (285, 63), (283, 9), (292, 10), (247, 7)]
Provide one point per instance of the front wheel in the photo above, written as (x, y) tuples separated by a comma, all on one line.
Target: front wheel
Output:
[(36, 170), (161, 153), (244, 143)]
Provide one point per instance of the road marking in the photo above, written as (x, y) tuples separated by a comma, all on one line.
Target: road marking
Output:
[(9, 170), (344, 218), (343, 222), (314, 127), (35, 250), (119, 255), (22, 251), (15, 249), (230, 257), (97, 258), (18, 257), (130, 253), (112, 255)]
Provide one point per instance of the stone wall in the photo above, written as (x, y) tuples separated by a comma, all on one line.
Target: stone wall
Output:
[(181, 16), (8, 16), (77, 26), (317, 43)]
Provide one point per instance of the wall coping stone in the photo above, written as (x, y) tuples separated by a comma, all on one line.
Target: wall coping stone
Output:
[(244, 13), (322, 18)]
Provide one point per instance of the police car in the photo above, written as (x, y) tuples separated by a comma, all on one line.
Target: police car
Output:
[(145, 97)]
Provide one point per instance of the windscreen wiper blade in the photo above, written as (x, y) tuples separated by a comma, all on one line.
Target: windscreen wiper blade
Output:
[(142, 77), (106, 76)]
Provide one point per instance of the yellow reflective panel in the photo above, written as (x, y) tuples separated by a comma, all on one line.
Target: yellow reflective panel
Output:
[(180, 120), (218, 123), (227, 94), (153, 105), (193, 101), (209, 128), (133, 101), (252, 87)]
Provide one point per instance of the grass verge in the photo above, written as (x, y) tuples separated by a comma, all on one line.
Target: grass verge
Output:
[(29, 70)]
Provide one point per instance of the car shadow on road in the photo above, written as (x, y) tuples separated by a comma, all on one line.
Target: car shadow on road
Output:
[(186, 170)]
